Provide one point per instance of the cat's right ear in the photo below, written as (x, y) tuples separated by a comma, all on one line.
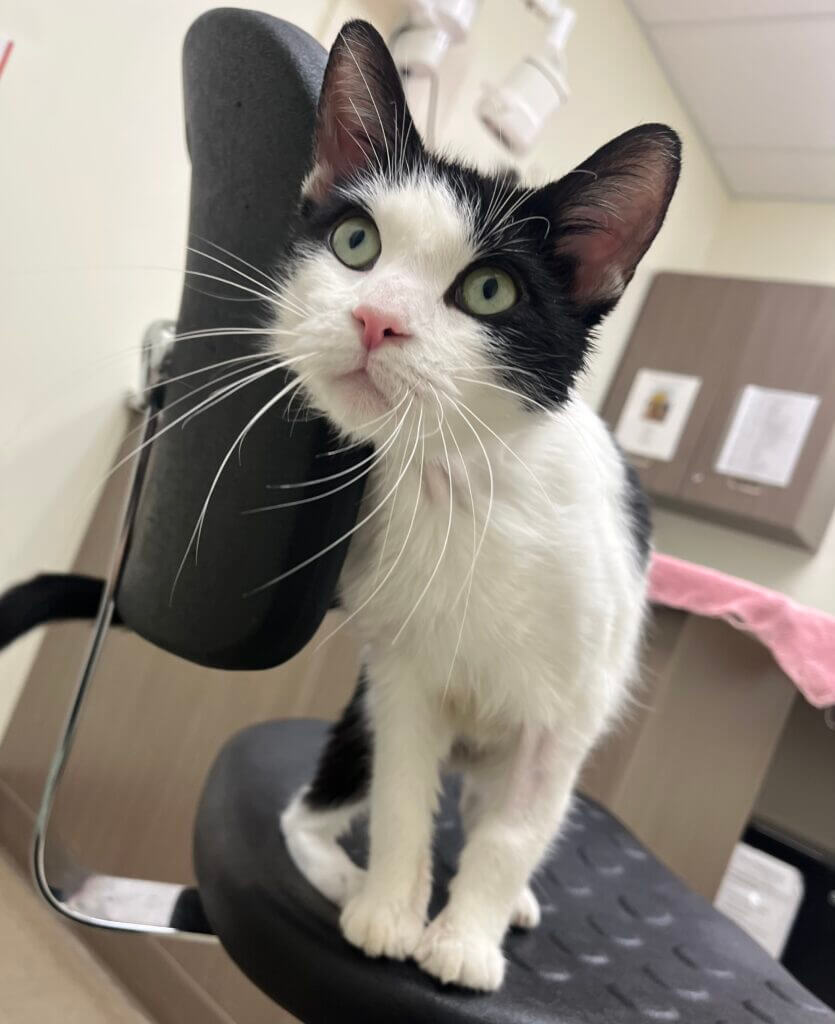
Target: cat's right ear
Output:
[(363, 121), (606, 212)]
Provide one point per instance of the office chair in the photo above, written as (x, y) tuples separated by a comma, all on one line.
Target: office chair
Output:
[(621, 940)]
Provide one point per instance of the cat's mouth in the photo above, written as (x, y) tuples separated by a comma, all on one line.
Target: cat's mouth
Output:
[(361, 387)]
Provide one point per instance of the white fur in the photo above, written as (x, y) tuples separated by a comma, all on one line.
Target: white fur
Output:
[(524, 652)]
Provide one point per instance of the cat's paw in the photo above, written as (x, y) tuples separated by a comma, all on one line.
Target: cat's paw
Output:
[(526, 913), (459, 956), (381, 928)]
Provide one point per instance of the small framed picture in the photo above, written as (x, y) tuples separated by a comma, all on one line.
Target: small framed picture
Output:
[(656, 412)]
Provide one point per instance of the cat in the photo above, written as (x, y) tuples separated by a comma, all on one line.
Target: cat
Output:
[(497, 578)]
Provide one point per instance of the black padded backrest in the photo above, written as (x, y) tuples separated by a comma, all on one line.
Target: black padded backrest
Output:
[(251, 83)]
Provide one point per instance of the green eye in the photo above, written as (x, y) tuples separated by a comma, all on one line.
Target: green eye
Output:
[(356, 242), (488, 290)]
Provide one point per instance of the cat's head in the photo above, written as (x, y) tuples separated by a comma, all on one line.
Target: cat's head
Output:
[(420, 283)]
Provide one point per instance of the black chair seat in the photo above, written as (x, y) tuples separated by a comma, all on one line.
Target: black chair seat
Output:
[(622, 940)]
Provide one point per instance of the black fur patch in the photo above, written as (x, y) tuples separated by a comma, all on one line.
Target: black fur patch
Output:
[(343, 774), (640, 515)]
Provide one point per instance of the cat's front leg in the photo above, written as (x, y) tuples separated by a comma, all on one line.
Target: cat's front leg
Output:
[(523, 797), (387, 916)]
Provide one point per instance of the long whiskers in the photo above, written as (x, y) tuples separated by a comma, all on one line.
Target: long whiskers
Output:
[(391, 512), (510, 451), (382, 420), (592, 455), (195, 536), (470, 575), (206, 403), (276, 297), (376, 458), (344, 537), (489, 467), (510, 391), (448, 525), (383, 131), (271, 282), (163, 381), (394, 564)]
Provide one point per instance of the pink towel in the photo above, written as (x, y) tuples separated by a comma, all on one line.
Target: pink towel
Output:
[(802, 640)]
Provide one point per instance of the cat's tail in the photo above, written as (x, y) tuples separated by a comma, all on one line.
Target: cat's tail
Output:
[(49, 597)]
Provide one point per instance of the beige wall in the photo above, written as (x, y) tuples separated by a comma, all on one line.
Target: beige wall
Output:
[(94, 178), (782, 241)]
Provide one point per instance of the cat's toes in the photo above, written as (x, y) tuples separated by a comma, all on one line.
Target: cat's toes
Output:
[(457, 956), (526, 913), (381, 928)]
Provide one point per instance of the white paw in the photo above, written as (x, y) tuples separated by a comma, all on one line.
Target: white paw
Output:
[(381, 928), (459, 956), (526, 913)]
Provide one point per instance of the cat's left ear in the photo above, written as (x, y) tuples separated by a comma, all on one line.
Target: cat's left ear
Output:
[(606, 212), (363, 120)]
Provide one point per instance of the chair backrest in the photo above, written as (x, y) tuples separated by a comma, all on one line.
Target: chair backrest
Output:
[(251, 83)]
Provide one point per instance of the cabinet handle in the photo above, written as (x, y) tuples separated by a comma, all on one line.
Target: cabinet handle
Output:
[(752, 490)]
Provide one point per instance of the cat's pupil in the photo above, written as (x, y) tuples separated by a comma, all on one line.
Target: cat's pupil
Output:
[(489, 288), (357, 238)]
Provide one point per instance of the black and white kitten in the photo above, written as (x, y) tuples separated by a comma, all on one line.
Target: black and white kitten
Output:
[(497, 576)]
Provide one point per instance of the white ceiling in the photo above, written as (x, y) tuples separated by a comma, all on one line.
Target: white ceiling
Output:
[(758, 77)]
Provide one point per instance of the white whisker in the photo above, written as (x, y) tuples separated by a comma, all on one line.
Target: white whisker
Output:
[(510, 451), (163, 381), (500, 387), (228, 266), (448, 527), (364, 440), (391, 512), (233, 255), (489, 467), (378, 456), (373, 102), (373, 457), (333, 544), (195, 536), (393, 566), (229, 389)]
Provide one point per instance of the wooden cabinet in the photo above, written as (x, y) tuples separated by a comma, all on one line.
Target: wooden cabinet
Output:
[(730, 334)]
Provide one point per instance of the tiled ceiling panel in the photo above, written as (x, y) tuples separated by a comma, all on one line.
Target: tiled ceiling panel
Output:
[(759, 79)]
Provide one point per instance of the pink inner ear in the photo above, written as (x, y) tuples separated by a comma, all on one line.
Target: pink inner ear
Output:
[(346, 131), (337, 154), (608, 250), (599, 272)]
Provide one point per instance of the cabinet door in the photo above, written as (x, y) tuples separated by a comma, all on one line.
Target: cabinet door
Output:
[(691, 325), (789, 344)]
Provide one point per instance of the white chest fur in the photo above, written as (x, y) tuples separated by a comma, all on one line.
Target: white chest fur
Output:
[(530, 615)]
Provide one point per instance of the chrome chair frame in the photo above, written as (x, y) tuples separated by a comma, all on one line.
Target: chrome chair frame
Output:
[(76, 892)]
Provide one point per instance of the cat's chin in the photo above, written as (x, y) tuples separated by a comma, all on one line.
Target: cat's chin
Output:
[(353, 399), (362, 389)]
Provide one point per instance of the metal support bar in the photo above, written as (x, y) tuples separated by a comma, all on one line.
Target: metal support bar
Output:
[(107, 901)]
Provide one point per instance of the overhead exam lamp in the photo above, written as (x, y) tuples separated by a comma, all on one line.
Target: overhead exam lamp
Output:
[(516, 111), (420, 46), (513, 112)]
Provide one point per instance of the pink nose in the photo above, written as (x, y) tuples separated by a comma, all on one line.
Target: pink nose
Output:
[(378, 327)]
